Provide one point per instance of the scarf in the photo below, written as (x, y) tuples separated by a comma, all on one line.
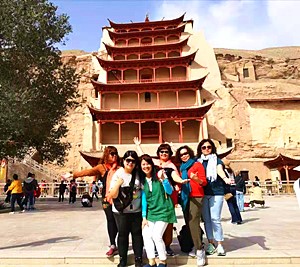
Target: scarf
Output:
[(185, 188), (211, 169)]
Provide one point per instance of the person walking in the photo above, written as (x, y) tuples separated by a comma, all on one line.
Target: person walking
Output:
[(157, 210), (61, 190), (16, 194), (192, 198), (214, 195), (8, 194), (29, 186), (128, 219), (73, 192), (240, 187), (95, 190)]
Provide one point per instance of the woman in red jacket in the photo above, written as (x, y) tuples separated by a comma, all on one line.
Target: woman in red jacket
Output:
[(191, 197)]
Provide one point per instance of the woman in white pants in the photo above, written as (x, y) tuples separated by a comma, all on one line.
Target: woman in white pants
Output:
[(157, 210)]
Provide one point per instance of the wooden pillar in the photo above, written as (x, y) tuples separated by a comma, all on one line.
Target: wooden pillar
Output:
[(122, 76), (180, 132), (177, 99), (154, 75), (170, 76), (160, 137), (287, 178), (138, 75), (138, 99), (100, 100), (157, 96), (119, 101)]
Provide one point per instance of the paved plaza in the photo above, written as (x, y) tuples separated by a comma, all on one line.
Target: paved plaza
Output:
[(62, 233)]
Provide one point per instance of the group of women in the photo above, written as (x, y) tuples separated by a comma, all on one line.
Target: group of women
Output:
[(150, 215)]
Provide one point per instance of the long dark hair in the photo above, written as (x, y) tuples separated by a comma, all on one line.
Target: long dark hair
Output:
[(106, 152), (134, 155), (149, 160), (213, 147), (167, 147)]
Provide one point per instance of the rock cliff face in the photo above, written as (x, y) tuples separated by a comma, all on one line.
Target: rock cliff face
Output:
[(257, 107)]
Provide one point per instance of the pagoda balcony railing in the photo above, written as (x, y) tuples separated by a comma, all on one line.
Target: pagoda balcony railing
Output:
[(173, 79), (147, 44), (154, 107)]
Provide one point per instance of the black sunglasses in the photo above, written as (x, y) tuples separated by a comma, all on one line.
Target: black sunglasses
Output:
[(113, 154), (164, 152), (205, 147), (184, 154), (128, 160)]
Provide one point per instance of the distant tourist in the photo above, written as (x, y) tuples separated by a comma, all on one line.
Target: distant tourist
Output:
[(73, 191), (8, 194), (256, 195), (240, 191), (95, 190), (16, 193), (29, 186), (61, 191)]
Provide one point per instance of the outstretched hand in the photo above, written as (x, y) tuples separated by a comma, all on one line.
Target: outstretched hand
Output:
[(136, 141)]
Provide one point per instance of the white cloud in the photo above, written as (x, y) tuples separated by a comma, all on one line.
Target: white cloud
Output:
[(239, 24)]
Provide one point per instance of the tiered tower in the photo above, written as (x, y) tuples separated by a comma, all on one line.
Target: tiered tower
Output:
[(149, 85)]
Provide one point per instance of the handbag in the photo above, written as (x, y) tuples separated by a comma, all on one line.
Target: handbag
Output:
[(228, 196), (125, 196)]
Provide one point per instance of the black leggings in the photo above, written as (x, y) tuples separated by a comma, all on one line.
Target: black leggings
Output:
[(111, 224), (129, 223)]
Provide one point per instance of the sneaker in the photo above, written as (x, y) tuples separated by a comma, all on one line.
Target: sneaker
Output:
[(200, 257), (210, 249), (192, 253), (138, 262), (12, 212), (221, 251), (112, 251), (169, 251), (22, 211)]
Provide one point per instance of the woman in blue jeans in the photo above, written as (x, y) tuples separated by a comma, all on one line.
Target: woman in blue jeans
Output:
[(213, 195)]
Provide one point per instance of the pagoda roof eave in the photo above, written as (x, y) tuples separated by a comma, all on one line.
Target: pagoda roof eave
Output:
[(146, 48), (149, 23), (151, 86), (117, 64), (121, 35), (281, 161), (166, 114), (91, 157)]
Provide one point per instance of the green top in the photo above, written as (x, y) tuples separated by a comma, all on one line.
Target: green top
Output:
[(159, 205)]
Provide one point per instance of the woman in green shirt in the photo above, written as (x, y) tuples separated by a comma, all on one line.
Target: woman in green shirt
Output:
[(157, 210)]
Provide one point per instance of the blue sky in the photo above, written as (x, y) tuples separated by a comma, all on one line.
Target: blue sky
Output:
[(239, 24)]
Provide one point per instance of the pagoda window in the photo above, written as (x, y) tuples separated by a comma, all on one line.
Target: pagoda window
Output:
[(191, 129), (133, 42), (228, 142), (162, 74), (150, 129), (121, 30), (173, 38), (171, 27), (174, 54), (113, 136), (160, 55), (146, 29), (146, 41), (114, 76), (187, 98), (159, 28), (120, 42), (132, 56), (147, 97), (159, 40), (146, 56), (179, 73), (146, 75), (130, 75), (119, 57)]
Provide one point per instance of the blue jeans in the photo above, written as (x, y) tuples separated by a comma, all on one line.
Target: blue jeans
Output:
[(240, 200), (211, 213)]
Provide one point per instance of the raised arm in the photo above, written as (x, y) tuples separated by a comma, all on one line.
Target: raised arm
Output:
[(137, 142), (99, 169)]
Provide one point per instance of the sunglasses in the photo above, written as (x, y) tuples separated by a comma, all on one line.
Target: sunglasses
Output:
[(184, 154), (164, 152), (130, 160), (205, 147), (113, 154)]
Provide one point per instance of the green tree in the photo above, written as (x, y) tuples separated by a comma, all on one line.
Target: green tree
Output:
[(36, 90)]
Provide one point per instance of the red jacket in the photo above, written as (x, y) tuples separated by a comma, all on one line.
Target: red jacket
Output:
[(197, 189)]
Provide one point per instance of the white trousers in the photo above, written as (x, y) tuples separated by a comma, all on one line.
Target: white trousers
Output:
[(152, 235)]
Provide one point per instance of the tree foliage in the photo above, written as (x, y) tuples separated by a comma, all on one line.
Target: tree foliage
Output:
[(36, 89)]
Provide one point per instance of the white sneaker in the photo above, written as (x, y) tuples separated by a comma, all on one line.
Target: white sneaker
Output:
[(200, 257), (192, 253), (220, 250), (12, 212)]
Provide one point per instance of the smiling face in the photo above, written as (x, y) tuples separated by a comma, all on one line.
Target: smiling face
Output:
[(184, 155), (146, 168), (164, 155), (129, 164), (206, 148)]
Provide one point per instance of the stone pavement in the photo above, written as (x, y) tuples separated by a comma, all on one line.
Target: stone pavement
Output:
[(68, 234)]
